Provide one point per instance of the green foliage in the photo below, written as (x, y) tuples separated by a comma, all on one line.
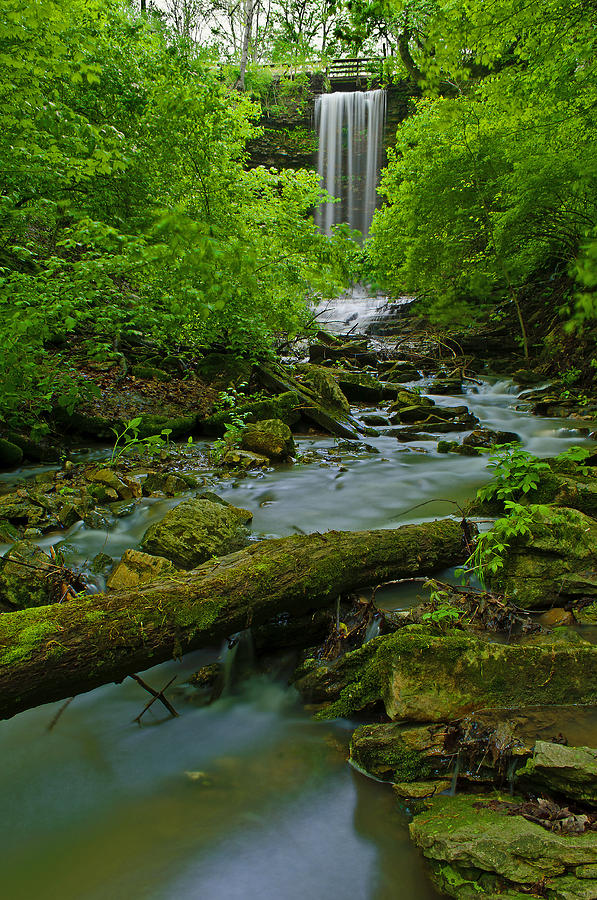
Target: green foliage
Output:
[(515, 473), (492, 185), (125, 204), (443, 614), (488, 556), (128, 440), (233, 433)]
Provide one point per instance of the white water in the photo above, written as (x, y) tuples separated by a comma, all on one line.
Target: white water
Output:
[(349, 127)]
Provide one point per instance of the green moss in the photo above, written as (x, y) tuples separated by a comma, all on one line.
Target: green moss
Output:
[(285, 407)]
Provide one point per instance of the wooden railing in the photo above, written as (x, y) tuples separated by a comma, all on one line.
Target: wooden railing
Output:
[(364, 66)]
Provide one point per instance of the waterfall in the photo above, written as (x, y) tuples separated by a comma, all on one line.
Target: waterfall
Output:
[(349, 126)]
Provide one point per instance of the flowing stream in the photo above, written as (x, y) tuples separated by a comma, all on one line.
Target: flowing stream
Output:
[(248, 798)]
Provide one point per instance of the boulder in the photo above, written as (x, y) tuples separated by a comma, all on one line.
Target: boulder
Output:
[(270, 438), (324, 386), (112, 482), (571, 771), (10, 454), (476, 849), (554, 561), (485, 437), (163, 483), (196, 530), (446, 386), (26, 577), (391, 752), (418, 675), (138, 568)]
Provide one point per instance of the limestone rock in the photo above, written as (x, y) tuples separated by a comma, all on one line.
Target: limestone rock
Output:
[(108, 479), (556, 560), (391, 752), (571, 771), (25, 577), (270, 438), (421, 676), (325, 387), (485, 437), (475, 850), (196, 530), (137, 568), (163, 483)]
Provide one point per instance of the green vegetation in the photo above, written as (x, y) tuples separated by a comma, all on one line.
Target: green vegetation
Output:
[(491, 187), (125, 205)]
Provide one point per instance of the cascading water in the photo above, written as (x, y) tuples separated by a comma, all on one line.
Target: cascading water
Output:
[(349, 126)]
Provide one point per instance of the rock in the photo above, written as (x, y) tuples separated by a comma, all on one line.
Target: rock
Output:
[(417, 675), (109, 480), (8, 532), (474, 850), (244, 459), (355, 351), (69, 513), (423, 414), (324, 386), (10, 454), (446, 386), (275, 378), (556, 617), (270, 438), (21, 509), (485, 437), (421, 790), (375, 419), (284, 406), (570, 771), (150, 373), (26, 577), (96, 520), (123, 508), (138, 568), (162, 483), (100, 562), (554, 561), (391, 752), (196, 530)]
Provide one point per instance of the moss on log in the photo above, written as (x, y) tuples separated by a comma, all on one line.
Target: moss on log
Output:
[(54, 652)]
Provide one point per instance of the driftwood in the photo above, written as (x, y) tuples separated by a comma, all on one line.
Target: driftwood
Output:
[(53, 652)]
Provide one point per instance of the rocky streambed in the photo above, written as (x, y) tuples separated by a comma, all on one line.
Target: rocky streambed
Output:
[(482, 717)]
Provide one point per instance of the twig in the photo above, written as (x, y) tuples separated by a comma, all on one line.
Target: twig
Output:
[(59, 713), (156, 695)]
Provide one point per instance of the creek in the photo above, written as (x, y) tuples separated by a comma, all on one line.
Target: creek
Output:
[(248, 798)]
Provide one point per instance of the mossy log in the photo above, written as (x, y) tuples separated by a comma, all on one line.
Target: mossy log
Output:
[(53, 652)]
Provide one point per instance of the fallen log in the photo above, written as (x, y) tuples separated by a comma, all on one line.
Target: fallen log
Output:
[(52, 652)]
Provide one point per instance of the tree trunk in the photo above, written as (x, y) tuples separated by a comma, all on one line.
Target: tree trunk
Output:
[(52, 652), (247, 29)]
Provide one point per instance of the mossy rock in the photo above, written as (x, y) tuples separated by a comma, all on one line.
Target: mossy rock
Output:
[(25, 577), (391, 752), (150, 373), (477, 850), (555, 560), (285, 406), (10, 454), (271, 438), (569, 771), (196, 530), (137, 568), (324, 386), (418, 675)]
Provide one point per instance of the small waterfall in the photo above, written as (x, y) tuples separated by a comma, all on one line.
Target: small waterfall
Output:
[(349, 126)]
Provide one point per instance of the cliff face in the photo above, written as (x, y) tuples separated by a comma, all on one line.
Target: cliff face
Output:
[(289, 140)]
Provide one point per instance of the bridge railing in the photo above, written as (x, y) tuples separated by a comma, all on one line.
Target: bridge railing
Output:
[(363, 66)]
